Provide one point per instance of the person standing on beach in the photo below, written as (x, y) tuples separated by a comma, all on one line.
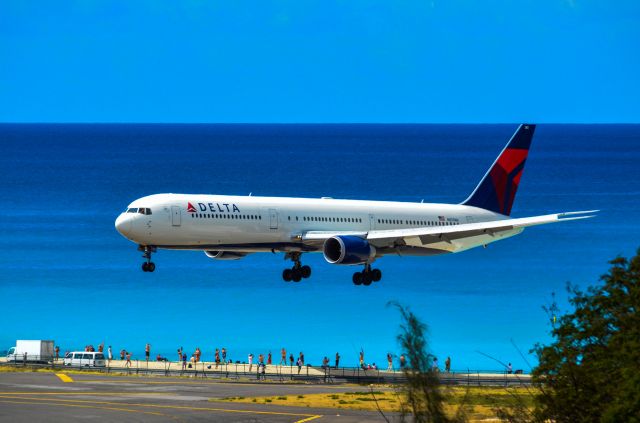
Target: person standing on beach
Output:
[(337, 360), (217, 357), (128, 363), (283, 357), (250, 358), (122, 353), (57, 352), (198, 353), (447, 365), (224, 355), (109, 354), (179, 354), (325, 363), (184, 360), (390, 362), (291, 359), (434, 366), (361, 359), (299, 363), (147, 351), (403, 361), (260, 365)]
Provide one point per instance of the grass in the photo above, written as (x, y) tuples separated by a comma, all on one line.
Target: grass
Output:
[(480, 402)]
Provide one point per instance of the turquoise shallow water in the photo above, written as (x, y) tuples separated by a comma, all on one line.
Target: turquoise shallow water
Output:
[(67, 275)]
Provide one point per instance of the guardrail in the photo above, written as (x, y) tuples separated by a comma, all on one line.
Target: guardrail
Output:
[(275, 373)]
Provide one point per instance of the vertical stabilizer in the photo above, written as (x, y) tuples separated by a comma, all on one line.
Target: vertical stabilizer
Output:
[(497, 190)]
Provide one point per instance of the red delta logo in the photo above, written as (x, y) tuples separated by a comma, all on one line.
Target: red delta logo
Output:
[(190, 208)]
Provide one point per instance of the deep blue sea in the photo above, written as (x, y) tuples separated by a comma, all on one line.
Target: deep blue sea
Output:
[(67, 275)]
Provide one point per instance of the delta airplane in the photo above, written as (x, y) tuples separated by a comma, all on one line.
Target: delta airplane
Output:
[(346, 232)]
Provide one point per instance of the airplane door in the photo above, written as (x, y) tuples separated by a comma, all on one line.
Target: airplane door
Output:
[(273, 219), (175, 216), (372, 222)]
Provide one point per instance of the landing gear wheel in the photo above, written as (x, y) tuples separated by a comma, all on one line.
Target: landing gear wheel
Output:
[(286, 275), (298, 271), (148, 265), (357, 278), (366, 278), (305, 271), (296, 275), (376, 275)]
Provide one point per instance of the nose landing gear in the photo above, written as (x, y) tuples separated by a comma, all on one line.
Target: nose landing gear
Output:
[(298, 271), (367, 276), (148, 265)]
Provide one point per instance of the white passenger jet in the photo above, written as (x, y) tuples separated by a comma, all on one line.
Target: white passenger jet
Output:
[(346, 232)]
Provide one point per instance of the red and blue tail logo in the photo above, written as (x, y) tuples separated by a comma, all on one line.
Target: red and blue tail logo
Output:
[(190, 208), (497, 190)]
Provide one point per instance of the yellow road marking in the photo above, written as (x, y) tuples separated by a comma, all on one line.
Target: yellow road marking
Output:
[(170, 407), (308, 419), (88, 406), (64, 378)]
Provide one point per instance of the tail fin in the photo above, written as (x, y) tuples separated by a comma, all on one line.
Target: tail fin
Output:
[(497, 190)]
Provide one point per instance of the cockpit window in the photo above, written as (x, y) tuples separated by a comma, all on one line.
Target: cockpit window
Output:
[(132, 210), (144, 210)]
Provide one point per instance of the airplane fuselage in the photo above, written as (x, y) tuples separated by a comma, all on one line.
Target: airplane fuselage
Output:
[(256, 224)]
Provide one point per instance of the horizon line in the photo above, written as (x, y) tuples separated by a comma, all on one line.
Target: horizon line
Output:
[(306, 123)]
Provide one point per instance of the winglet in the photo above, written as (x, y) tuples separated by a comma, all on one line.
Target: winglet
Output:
[(497, 189)]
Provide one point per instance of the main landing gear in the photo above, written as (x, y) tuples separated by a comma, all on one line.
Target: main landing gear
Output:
[(367, 276), (298, 271), (148, 265)]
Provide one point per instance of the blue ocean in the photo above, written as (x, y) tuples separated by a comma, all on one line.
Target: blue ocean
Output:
[(67, 275)]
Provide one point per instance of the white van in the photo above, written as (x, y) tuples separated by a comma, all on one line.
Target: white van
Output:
[(84, 359)]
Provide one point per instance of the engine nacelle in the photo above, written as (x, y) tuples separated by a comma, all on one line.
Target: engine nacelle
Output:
[(224, 255), (348, 250)]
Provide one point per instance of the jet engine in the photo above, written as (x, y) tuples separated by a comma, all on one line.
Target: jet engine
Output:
[(225, 255), (348, 250)]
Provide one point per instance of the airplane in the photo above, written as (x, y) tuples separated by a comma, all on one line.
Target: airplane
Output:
[(346, 232)]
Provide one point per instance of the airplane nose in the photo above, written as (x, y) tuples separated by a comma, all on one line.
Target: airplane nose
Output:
[(123, 225)]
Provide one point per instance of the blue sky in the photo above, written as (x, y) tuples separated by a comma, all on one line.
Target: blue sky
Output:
[(320, 61)]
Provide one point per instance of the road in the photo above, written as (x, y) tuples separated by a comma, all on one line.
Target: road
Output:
[(60, 397)]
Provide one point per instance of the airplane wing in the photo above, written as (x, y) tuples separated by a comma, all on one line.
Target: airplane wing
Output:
[(447, 236)]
